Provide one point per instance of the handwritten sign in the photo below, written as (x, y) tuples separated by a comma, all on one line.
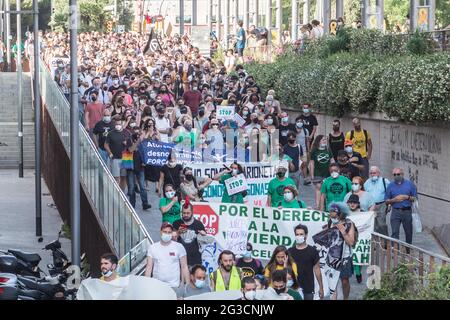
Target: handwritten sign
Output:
[(225, 112), (236, 235), (236, 184), (239, 120)]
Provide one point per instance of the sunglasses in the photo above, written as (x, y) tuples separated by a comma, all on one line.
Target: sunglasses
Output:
[(397, 174)]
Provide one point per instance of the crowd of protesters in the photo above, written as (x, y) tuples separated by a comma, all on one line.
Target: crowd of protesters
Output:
[(128, 95)]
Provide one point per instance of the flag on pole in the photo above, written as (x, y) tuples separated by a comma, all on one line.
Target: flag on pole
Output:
[(152, 43)]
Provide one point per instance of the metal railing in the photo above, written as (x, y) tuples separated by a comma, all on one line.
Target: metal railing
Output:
[(120, 221), (388, 253)]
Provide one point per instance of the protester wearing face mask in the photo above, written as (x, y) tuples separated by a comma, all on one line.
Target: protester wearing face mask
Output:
[(201, 119), (292, 284), (362, 143), (285, 128), (376, 186), (115, 145), (310, 122), (334, 188), (321, 158), (186, 136), (188, 228), (170, 174), (227, 276), (197, 284), (250, 266), (366, 201), (193, 97), (400, 195), (252, 123), (248, 289), (166, 260), (234, 170), (295, 152), (192, 189), (307, 257), (303, 141), (336, 139), (275, 190), (354, 158), (169, 205), (290, 199), (340, 253), (100, 132), (346, 168), (115, 85), (278, 288), (108, 266), (271, 104)]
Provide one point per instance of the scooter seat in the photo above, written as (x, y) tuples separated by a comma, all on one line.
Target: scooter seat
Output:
[(32, 258)]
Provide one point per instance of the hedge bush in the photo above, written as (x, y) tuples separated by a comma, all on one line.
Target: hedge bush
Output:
[(412, 87)]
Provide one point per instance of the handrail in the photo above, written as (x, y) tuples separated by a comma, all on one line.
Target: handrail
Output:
[(410, 246), (94, 182)]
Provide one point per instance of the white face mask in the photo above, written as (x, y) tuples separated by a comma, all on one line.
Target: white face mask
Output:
[(374, 178), (288, 196), (285, 119), (199, 283), (115, 82), (107, 119), (170, 194), (290, 283), (107, 274), (299, 124), (356, 187), (348, 149), (334, 174), (142, 102), (269, 121), (305, 110), (250, 295), (300, 239), (118, 127), (126, 83), (234, 172), (165, 237)]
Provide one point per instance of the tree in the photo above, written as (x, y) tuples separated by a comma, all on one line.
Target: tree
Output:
[(442, 13)]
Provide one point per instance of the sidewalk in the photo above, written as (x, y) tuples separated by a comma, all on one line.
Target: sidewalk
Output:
[(17, 210)]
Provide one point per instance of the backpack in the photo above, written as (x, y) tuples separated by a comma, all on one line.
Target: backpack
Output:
[(352, 133)]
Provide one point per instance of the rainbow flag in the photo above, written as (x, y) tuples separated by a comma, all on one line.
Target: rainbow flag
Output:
[(127, 160)]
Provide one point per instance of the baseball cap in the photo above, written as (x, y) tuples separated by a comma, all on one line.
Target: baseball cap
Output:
[(348, 142), (166, 225), (334, 208), (353, 198)]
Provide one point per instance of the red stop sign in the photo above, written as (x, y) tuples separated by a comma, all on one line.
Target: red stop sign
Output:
[(206, 215)]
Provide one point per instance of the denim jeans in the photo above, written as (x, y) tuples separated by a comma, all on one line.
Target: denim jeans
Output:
[(104, 155), (132, 178), (402, 217)]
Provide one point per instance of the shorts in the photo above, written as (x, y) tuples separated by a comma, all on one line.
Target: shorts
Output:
[(240, 52), (116, 168), (347, 268)]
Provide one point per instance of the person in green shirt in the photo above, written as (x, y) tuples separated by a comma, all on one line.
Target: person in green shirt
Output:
[(280, 285), (170, 205), (293, 285), (320, 160), (334, 188), (226, 174), (276, 186), (290, 199)]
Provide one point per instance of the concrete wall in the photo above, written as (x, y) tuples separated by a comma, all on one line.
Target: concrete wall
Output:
[(423, 153)]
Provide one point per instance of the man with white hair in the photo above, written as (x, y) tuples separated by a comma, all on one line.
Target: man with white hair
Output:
[(376, 186)]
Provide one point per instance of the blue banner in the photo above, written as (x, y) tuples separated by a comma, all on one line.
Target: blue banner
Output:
[(155, 153)]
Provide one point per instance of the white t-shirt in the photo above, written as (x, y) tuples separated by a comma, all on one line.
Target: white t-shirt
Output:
[(162, 124), (166, 262)]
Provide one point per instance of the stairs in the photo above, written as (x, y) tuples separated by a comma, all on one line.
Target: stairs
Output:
[(9, 141)]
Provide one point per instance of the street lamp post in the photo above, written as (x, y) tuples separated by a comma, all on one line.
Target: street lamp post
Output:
[(20, 89)]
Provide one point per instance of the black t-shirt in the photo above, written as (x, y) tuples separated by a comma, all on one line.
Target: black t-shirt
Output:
[(284, 130), (102, 129), (172, 175), (309, 122), (356, 155), (250, 269), (349, 170), (115, 140), (305, 259), (295, 153), (336, 144), (189, 241)]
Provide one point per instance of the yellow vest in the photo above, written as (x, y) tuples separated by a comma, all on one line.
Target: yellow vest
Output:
[(234, 284)]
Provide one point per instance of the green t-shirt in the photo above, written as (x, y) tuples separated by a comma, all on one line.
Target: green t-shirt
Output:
[(275, 189), (293, 204), (226, 198), (335, 189), (294, 294), (321, 160), (173, 214)]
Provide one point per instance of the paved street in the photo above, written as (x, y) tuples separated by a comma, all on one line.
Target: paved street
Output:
[(17, 228)]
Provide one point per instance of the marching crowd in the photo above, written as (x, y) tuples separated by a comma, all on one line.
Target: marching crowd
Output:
[(129, 94)]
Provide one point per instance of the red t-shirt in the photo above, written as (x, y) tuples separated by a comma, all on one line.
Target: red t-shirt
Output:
[(95, 111), (192, 99)]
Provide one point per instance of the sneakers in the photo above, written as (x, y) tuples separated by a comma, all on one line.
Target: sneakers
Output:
[(359, 278), (306, 182), (146, 206)]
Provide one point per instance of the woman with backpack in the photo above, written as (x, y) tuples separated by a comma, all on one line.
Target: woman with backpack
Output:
[(290, 200), (341, 236)]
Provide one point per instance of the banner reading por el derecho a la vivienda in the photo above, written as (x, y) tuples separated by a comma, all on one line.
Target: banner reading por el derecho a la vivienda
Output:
[(270, 227)]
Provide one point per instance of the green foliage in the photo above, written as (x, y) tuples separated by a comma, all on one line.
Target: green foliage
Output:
[(442, 13), (419, 44), (403, 283), (66, 231)]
